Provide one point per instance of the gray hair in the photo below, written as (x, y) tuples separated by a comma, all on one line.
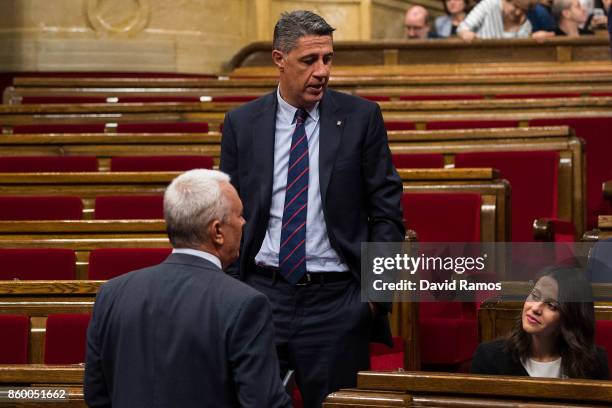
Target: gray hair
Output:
[(191, 202), (291, 26), (558, 6)]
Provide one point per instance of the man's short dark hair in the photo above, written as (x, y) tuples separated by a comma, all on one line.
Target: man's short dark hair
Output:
[(291, 26)]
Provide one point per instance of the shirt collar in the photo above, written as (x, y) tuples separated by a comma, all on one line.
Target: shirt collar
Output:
[(288, 111), (195, 252)]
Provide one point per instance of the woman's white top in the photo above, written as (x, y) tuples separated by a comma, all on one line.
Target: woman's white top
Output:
[(551, 369)]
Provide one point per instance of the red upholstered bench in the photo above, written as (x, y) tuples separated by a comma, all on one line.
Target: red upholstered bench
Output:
[(37, 264), (160, 163), (445, 97), (470, 124), (15, 331), (234, 98), (418, 160), (598, 136), (163, 127), (24, 164), (65, 338), (376, 98), (107, 263), (448, 330), (68, 99), (129, 207), (385, 358), (60, 128), (533, 176), (40, 208), (538, 95), (399, 126), (158, 99)]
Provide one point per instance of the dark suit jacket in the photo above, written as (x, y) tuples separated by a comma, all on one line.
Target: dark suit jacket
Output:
[(360, 189), (493, 358), (181, 334)]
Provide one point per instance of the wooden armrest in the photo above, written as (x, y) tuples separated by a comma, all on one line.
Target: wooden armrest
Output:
[(544, 229)]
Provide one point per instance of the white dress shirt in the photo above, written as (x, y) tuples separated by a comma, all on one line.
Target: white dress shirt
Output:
[(320, 256)]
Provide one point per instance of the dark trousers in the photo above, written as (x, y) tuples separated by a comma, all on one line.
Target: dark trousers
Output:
[(322, 331)]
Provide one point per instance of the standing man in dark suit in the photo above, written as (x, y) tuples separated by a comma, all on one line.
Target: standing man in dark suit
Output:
[(183, 333), (314, 171)]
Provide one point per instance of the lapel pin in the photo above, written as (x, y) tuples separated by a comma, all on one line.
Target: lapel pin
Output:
[(338, 123)]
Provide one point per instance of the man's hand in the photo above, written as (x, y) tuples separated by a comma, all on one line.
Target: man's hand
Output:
[(540, 36)]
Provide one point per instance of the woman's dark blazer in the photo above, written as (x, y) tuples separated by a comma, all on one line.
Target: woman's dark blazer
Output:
[(493, 358)]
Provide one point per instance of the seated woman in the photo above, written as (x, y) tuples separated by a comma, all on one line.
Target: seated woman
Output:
[(554, 336), (446, 26), (497, 19)]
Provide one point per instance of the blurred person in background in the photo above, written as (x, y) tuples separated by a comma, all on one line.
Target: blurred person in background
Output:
[(497, 19), (417, 24), (456, 10), (570, 16)]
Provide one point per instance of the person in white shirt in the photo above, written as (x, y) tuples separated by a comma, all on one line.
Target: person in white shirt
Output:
[(497, 19)]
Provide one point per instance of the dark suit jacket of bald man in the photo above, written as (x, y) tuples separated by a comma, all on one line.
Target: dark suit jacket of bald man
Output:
[(181, 334), (360, 189)]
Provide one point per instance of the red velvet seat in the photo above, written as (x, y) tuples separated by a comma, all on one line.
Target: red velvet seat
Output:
[(14, 340), (533, 176), (470, 124), (40, 208), (418, 160), (445, 97), (106, 263), (65, 338), (385, 358), (443, 217), (603, 337), (376, 98), (163, 127), (448, 330), (234, 98), (16, 164), (37, 264), (158, 99), (399, 126), (60, 128), (538, 95), (129, 207), (596, 133), (160, 163), (68, 99)]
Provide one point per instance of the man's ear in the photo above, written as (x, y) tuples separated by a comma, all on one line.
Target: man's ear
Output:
[(565, 13), (215, 232), (279, 59)]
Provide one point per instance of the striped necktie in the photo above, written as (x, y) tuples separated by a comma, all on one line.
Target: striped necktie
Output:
[(292, 254)]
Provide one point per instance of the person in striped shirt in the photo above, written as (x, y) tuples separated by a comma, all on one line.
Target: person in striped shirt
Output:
[(497, 19)]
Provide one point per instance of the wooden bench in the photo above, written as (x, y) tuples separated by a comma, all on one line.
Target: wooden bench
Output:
[(473, 78), (603, 230), (494, 194), (374, 52), (572, 173), (418, 389), (68, 378), (105, 146), (419, 112), (446, 142)]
